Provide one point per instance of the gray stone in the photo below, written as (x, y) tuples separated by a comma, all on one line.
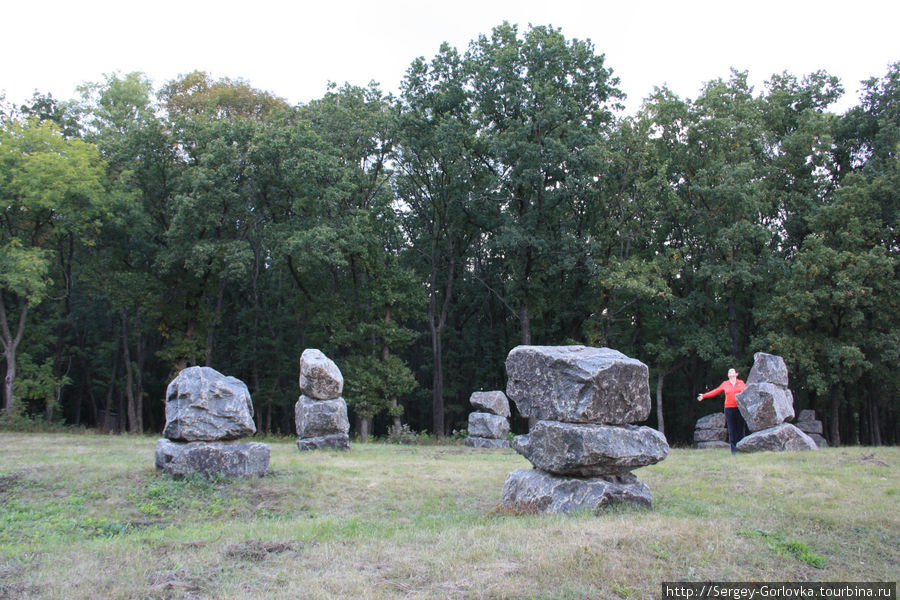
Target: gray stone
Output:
[(202, 405), (784, 437), (768, 368), (712, 445), (232, 459), (320, 417), (577, 384), (335, 441), (820, 441), (536, 491), (807, 415), (765, 405), (710, 435), (588, 450), (320, 378), (493, 402), (713, 421), (809, 426), (487, 425), (483, 442)]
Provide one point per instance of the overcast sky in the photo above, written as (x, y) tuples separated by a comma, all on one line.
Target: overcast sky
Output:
[(293, 49)]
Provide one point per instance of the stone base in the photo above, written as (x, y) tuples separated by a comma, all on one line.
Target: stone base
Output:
[(820, 441), (335, 441), (481, 442), (232, 459), (784, 437), (535, 490), (708, 445)]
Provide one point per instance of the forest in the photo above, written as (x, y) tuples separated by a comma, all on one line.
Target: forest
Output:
[(500, 197)]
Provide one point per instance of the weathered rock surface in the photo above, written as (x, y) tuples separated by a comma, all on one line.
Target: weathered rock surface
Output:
[(233, 459), (809, 426), (807, 415), (202, 405), (784, 437), (335, 441), (320, 378), (820, 441), (578, 384), (483, 442), (710, 435), (493, 402), (712, 445), (768, 368), (587, 450), (765, 405), (536, 491), (713, 421), (320, 417), (487, 425)]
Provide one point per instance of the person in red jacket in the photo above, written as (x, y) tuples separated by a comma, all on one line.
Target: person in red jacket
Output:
[(731, 388)]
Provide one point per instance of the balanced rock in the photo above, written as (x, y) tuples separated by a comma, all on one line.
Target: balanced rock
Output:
[(233, 459), (202, 405), (320, 378), (588, 450), (315, 418), (488, 426), (765, 405), (768, 368), (533, 490), (784, 437), (495, 403), (578, 384), (483, 442)]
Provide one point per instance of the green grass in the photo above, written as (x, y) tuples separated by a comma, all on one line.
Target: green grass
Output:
[(88, 516)]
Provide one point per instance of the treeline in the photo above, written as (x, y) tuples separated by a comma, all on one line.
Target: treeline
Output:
[(499, 199)]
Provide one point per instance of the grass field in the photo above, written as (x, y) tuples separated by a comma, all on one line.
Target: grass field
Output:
[(88, 516)]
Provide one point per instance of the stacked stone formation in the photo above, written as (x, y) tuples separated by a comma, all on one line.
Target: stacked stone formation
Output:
[(206, 412), (808, 424), (489, 425), (766, 404), (711, 431), (583, 444), (321, 412)]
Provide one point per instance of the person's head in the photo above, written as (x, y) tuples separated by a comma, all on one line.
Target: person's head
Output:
[(732, 374)]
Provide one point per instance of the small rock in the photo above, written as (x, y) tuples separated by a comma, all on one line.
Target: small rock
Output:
[(487, 425), (320, 378), (493, 402), (713, 421)]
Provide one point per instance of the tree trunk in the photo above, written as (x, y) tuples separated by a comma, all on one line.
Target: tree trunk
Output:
[(834, 426), (10, 345), (139, 375), (660, 423), (437, 381), (213, 323), (733, 327), (129, 376), (525, 321), (364, 424), (386, 354)]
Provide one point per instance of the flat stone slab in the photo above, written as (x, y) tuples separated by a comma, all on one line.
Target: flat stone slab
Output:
[(493, 402), (784, 437), (765, 405), (314, 418), (482, 442), (203, 405), (487, 425), (232, 459), (533, 490), (712, 445), (320, 378), (337, 441), (713, 421), (578, 384), (587, 450), (809, 426), (768, 368)]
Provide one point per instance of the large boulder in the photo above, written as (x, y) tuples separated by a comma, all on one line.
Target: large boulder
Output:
[(487, 425), (713, 421), (588, 450), (765, 405), (320, 378), (493, 402), (533, 490), (577, 384), (202, 405), (315, 418), (232, 459), (483, 442), (768, 368), (334, 441), (784, 437)]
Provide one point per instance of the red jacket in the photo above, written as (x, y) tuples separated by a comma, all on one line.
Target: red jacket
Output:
[(730, 392)]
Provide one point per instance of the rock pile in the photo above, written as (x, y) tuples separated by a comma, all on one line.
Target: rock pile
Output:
[(711, 431), (808, 424), (582, 445), (489, 426), (321, 412), (205, 413), (766, 404)]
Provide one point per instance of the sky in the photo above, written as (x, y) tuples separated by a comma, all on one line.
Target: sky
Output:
[(293, 49)]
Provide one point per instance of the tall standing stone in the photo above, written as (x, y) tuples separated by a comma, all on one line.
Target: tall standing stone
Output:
[(488, 426), (321, 413)]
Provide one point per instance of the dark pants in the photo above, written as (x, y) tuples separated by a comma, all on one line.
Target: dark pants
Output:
[(736, 426)]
